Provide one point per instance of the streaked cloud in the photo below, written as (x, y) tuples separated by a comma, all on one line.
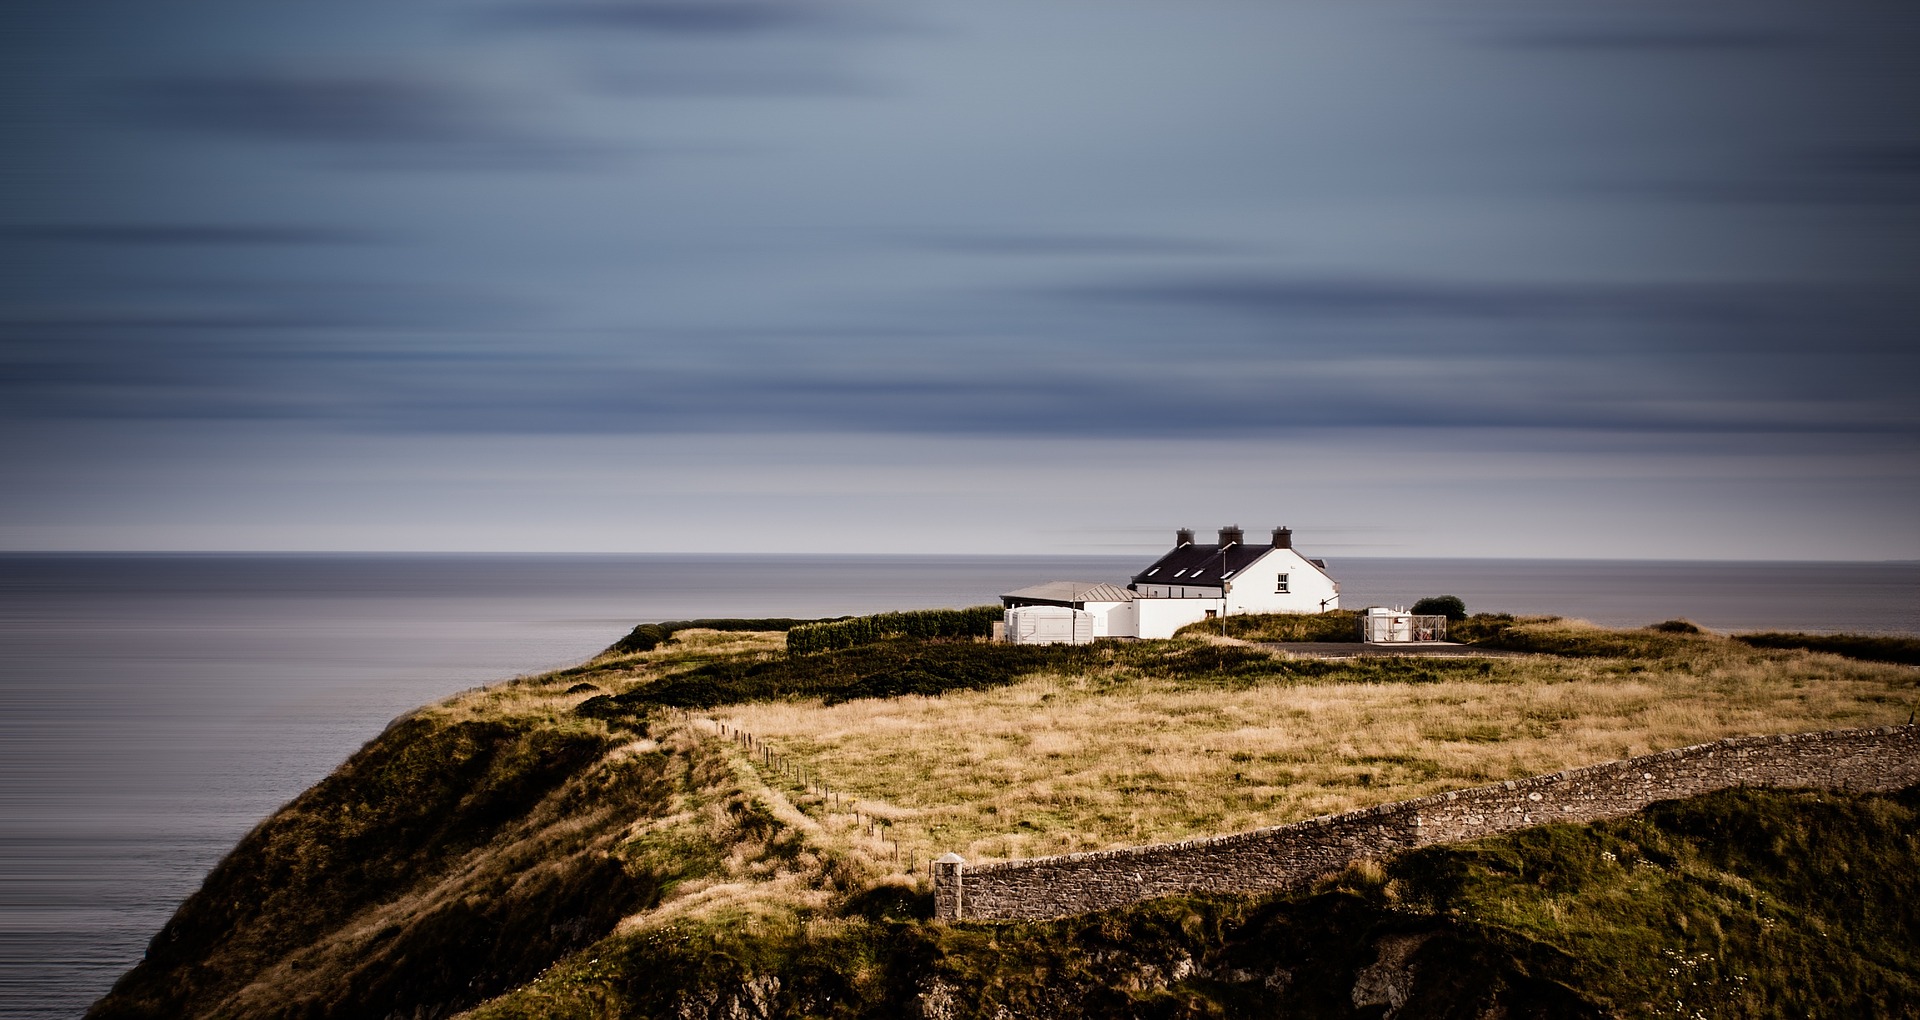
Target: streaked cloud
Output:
[(1679, 39), (683, 17), (995, 223), (140, 235), (382, 120)]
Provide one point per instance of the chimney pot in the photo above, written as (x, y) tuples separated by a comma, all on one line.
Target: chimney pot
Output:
[(1184, 536), (1231, 535), (1283, 538)]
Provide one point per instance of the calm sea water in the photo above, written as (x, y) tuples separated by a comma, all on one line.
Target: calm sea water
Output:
[(153, 708)]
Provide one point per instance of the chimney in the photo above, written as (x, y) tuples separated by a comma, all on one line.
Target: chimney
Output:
[(1182, 537), (1283, 538), (1231, 535)]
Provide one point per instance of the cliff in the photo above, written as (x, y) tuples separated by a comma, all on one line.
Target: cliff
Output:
[(580, 844)]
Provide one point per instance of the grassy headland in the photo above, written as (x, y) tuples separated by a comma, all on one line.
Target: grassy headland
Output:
[(1118, 744), (581, 843)]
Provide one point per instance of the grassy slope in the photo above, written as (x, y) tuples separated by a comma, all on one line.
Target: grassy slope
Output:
[(1877, 648), (1742, 904), (455, 857), (574, 818)]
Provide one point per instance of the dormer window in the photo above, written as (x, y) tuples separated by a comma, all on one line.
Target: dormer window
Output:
[(1280, 585)]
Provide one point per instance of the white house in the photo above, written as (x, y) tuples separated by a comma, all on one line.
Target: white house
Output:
[(1198, 582), (1190, 583)]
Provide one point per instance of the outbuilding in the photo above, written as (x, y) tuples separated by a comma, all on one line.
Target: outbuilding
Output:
[(1381, 626), (1092, 609)]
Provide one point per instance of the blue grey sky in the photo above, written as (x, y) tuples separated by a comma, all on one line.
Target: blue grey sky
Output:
[(1484, 279)]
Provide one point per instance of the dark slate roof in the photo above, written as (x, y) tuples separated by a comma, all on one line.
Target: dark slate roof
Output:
[(1200, 564)]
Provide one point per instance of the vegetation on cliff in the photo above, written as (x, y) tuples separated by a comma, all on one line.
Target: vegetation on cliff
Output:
[(584, 843), (1739, 904)]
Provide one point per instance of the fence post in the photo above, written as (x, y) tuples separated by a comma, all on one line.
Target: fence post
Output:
[(948, 896)]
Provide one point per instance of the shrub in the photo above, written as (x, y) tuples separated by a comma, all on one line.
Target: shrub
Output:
[(1489, 629), (1341, 625), (828, 636), (1675, 627), (1449, 606)]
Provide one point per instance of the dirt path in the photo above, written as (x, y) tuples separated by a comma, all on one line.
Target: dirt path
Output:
[(1351, 650)]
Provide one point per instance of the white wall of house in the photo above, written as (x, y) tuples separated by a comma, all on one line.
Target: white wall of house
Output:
[(1159, 618), (1282, 581), (1179, 591), (1111, 619)]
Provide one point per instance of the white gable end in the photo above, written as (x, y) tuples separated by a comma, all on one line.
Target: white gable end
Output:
[(1282, 581)]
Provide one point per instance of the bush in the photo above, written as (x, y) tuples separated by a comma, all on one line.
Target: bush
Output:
[(1338, 625), (1675, 627), (1488, 629), (1449, 606), (829, 636)]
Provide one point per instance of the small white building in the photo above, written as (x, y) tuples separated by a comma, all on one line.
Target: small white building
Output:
[(1068, 612), (1381, 626), (1196, 582), (1048, 625)]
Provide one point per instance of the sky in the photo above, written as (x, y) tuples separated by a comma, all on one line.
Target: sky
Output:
[(1621, 280)]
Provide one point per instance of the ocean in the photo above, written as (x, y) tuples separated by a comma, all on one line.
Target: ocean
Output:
[(153, 708)]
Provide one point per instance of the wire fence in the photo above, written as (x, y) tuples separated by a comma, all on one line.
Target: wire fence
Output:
[(810, 780)]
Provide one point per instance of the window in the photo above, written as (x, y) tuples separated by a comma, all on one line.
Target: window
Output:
[(1280, 585), (1181, 572)]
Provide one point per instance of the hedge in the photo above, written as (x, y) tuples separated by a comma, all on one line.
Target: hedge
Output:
[(832, 635)]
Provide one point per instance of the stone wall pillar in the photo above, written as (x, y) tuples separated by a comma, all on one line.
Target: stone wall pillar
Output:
[(948, 899)]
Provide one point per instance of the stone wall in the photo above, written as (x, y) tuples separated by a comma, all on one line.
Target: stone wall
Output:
[(1289, 856)]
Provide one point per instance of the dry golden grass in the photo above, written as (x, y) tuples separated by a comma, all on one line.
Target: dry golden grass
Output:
[(544, 696), (1059, 764)]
